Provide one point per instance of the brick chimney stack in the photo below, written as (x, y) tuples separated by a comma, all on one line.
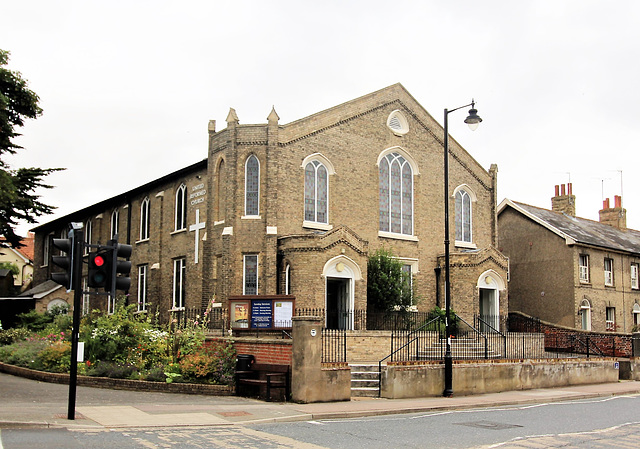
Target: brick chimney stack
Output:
[(564, 201), (614, 216)]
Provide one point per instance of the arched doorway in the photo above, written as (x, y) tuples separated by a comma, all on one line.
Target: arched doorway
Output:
[(489, 285), (340, 274)]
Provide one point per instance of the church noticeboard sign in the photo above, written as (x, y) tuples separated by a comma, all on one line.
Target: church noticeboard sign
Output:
[(261, 311), (261, 314)]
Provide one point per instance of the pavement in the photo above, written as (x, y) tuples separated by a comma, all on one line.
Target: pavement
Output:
[(29, 403)]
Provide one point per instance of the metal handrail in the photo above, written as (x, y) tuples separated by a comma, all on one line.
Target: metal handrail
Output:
[(486, 341), (400, 348)]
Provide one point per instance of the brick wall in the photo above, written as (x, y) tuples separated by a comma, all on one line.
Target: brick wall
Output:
[(265, 350)]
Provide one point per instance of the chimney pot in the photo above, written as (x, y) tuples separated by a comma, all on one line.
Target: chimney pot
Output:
[(562, 190), (618, 201), (557, 190)]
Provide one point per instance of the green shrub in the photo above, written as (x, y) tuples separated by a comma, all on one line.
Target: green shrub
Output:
[(23, 353), (56, 357), (9, 336)]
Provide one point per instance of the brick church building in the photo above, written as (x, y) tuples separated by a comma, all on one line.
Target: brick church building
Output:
[(297, 208)]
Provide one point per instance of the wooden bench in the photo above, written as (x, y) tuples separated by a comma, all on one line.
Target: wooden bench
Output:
[(265, 374)]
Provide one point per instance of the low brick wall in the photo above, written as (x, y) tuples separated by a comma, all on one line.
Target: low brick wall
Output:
[(277, 351), (120, 384), (415, 379)]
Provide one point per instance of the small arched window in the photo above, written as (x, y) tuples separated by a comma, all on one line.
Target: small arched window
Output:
[(252, 186), (181, 208), (144, 219), (88, 231), (115, 216)]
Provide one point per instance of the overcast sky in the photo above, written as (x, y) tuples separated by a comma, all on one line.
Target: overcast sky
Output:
[(132, 84)]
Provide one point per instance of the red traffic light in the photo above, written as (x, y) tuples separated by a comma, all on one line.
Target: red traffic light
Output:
[(98, 261)]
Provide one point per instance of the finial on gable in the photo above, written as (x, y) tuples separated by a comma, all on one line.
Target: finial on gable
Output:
[(232, 117), (273, 116)]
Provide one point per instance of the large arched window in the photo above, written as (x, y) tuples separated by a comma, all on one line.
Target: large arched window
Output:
[(316, 193), (396, 194), (144, 219), (252, 186), (463, 216), (181, 208)]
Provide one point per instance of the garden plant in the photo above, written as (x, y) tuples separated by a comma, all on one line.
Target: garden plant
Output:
[(124, 344)]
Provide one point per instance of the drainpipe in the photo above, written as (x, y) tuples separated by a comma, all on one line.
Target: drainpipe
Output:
[(437, 270)]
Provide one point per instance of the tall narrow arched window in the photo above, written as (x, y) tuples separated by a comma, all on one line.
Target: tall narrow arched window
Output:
[(144, 219), (115, 215), (396, 195), (88, 230), (463, 216), (220, 193), (181, 208), (316, 192), (252, 186)]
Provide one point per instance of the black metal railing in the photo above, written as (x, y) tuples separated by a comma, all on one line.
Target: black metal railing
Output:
[(334, 346), (212, 319)]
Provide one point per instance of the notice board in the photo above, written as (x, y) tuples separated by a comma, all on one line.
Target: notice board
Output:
[(261, 311)]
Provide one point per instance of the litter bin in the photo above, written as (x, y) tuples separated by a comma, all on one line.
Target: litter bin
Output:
[(244, 362)]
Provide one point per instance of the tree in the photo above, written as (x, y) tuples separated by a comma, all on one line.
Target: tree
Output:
[(388, 286), (18, 200)]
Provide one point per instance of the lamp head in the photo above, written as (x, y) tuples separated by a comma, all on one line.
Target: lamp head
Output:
[(473, 120)]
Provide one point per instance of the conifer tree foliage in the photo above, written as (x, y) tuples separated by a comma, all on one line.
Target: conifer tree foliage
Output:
[(388, 286), (18, 198)]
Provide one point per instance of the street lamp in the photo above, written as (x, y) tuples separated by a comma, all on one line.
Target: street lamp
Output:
[(473, 120)]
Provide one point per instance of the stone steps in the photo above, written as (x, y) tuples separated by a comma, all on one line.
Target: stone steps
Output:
[(365, 381)]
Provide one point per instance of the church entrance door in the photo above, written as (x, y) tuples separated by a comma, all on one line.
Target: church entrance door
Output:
[(338, 311)]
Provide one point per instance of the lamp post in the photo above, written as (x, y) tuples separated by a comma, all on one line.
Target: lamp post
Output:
[(473, 121)]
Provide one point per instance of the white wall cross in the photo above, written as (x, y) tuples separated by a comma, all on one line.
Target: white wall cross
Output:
[(196, 227)]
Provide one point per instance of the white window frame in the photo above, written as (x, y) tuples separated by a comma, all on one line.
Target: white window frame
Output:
[(610, 319), (46, 250), (244, 274), (608, 272), (179, 279), (583, 268), (469, 195), (395, 154), (635, 285), (316, 164), (250, 213), (86, 297), (88, 231), (180, 218), (287, 280), (115, 219), (142, 287), (144, 219)]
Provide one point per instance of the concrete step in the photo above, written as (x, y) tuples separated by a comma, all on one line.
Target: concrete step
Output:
[(364, 380)]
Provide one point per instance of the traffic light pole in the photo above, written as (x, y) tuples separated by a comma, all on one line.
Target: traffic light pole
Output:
[(78, 248)]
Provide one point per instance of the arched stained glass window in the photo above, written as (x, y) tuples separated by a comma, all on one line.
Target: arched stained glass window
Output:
[(396, 195), (252, 186), (316, 190), (463, 216), (144, 219), (181, 208)]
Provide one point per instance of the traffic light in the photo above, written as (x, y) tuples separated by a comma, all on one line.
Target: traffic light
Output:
[(64, 261), (119, 267), (98, 272)]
